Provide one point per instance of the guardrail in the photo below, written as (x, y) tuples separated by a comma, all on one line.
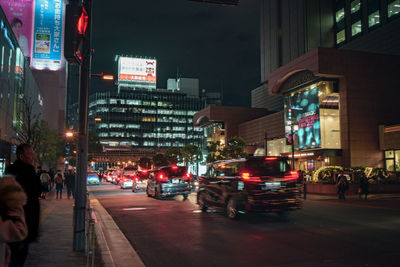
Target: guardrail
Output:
[(91, 221)]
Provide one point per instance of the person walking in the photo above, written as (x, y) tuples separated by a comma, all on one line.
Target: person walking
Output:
[(25, 175), (59, 181), (45, 179), (13, 226), (364, 185), (70, 183), (342, 185)]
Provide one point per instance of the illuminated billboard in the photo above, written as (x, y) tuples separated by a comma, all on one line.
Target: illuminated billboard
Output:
[(137, 70), (47, 34), (20, 16), (302, 110)]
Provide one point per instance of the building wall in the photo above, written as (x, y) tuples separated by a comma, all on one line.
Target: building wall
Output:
[(366, 97), (188, 86), (255, 131)]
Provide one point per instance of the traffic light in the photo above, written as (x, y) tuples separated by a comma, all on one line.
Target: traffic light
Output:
[(76, 22)]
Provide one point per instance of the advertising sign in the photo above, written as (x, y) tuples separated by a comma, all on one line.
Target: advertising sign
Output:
[(47, 34), (19, 14), (137, 69), (303, 111)]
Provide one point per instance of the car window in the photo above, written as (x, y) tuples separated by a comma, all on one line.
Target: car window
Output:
[(174, 171), (267, 167)]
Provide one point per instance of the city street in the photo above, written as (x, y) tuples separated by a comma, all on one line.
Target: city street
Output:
[(174, 232)]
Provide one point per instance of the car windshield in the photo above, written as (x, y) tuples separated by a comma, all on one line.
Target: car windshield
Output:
[(267, 166), (143, 174), (174, 171)]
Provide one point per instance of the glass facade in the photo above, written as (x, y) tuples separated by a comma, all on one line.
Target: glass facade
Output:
[(145, 119), (355, 6), (356, 28), (392, 160)]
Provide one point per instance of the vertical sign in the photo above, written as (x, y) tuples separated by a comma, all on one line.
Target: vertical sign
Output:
[(47, 34), (19, 14), (302, 109)]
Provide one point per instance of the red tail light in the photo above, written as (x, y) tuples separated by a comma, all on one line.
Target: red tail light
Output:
[(187, 176), (174, 167), (246, 176), (162, 177), (271, 158), (292, 175), (144, 171)]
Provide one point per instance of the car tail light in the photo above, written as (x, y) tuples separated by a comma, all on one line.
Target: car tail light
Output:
[(174, 167), (144, 171), (292, 175), (270, 158), (162, 177), (246, 176), (126, 180), (187, 176)]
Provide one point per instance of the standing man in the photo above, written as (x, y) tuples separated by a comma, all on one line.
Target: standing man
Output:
[(25, 174), (70, 183)]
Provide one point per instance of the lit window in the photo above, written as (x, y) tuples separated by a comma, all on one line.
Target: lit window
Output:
[(393, 8), (356, 28), (373, 18), (340, 37), (355, 6), (339, 15)]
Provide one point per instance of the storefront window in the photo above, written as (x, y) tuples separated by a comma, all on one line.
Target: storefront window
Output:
[(355, 6), (373, 19), (397, 160), (356, 28), (392, 160), (393, 8)]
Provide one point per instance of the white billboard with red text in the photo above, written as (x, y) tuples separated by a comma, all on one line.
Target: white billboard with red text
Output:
[(137, 69)]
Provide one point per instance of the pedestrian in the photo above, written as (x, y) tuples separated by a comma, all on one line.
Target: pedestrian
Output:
[(70, 183), (26, 176), (45, 179), (13, 226), (364, 186), (59, 181), (342, 185)]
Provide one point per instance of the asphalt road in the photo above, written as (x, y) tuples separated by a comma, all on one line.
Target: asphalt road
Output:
[(174, 232)]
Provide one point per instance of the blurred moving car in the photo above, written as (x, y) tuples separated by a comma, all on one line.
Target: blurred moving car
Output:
[(256, 184), (169, 181), (126, 182), (139, 181), (92, 178)]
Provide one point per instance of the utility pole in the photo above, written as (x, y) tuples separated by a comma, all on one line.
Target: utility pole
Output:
[(79, 219)]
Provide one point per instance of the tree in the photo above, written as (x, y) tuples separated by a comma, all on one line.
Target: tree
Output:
[(235, 148), (160, 160), (191, 154), (214, 150), (29, 124), (51, 147), (145, 163), (173, 155)]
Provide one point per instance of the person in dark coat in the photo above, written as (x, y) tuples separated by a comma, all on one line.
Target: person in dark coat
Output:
[(364, 185), (70, 183), (24, 172), (342, 185)]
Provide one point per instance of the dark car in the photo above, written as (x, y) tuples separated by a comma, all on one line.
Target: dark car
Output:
[(169, 181), (256, 184), (139, 181)]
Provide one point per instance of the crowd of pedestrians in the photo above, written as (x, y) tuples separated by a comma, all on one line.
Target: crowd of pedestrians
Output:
[(20, 191)]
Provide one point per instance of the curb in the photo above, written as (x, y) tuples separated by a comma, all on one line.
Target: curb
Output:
[(114, 248)]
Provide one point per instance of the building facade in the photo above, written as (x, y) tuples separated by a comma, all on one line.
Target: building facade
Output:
[(17, 84)]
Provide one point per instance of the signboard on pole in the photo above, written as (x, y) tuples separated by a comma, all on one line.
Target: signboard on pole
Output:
[(19, 14), (47, 34)]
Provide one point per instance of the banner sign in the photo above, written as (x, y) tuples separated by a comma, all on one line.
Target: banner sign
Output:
[(48, 34), (303, 110), (137, 69), (19, 14)]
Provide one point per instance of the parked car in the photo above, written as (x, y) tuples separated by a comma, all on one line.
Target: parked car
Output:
[(139, 181), (92, 178), (256, 184), (169, 181)]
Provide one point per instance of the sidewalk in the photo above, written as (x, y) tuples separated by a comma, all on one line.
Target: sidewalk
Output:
[(54, 247)]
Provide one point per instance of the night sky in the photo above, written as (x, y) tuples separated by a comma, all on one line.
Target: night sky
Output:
[(217, 44)]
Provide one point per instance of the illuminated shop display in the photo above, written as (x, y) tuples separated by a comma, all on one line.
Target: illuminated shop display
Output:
[(313, 115)]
